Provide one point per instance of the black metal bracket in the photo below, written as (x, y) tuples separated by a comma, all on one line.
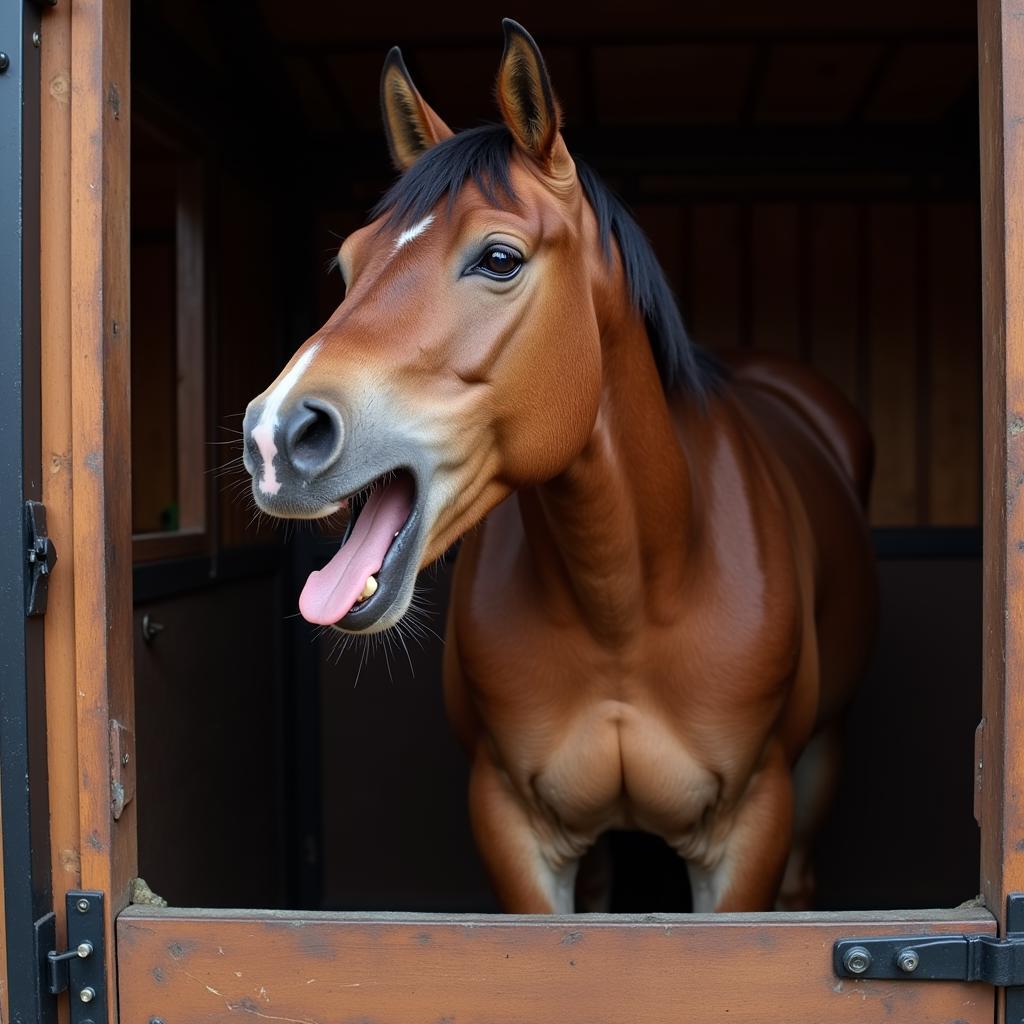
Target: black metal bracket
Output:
[(41, 556), (81, 969), (998, 962)]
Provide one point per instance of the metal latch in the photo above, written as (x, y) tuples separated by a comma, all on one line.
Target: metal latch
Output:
[(998, 962), (41, 556), (81, 970)]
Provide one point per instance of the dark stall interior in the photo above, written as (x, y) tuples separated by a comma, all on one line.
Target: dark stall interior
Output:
[(808, 174)]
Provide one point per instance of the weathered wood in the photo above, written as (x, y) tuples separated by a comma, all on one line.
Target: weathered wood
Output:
[(1001, 27), (100, 119), (196, 966), (55, 286)]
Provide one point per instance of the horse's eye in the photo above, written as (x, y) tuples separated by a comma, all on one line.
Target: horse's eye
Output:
[(500, 262)]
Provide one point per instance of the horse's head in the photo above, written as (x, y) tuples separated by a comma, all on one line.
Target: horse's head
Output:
[(465, 359)]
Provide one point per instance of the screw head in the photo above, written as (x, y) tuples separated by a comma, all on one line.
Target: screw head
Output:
[(5, 62), (84, 949), (907, 960), (82, 906), (857, 960), (88, 994), (36, 39)]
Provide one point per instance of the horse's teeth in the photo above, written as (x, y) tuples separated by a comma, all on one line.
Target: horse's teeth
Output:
[(369, 588)]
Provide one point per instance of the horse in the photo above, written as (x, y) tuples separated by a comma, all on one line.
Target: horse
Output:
[(665, 591)]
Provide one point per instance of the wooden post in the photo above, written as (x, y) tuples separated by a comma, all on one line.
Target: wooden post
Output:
[(1001, 734), (55, 290), (101, 440)]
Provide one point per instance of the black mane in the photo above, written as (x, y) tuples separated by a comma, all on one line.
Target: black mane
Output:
[(484, 156)]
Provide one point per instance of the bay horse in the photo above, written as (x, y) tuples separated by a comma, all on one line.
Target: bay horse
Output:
[(665, 590)]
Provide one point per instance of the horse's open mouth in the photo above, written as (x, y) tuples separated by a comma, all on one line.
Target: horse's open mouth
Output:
[(357, 586)]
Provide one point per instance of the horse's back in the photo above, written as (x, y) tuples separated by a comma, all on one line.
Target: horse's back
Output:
[(835, 420)]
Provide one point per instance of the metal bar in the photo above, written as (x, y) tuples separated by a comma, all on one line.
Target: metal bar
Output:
[(984, 958), (23, 775)]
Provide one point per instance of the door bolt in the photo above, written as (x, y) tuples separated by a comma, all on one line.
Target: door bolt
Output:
[(857, 960), (907, 960)]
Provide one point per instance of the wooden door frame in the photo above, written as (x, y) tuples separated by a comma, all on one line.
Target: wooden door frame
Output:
[(1000, 761), (85, 120), (173, 956)]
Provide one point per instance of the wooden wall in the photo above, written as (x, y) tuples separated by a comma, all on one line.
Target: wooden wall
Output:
[(881, 297)]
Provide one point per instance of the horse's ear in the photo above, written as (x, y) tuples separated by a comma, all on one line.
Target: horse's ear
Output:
[(410, 124), (525, 96)]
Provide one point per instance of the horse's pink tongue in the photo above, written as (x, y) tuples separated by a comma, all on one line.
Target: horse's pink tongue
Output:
[(330, 592)]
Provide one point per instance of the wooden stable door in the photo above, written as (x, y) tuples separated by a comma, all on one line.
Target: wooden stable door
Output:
[(176, 965)]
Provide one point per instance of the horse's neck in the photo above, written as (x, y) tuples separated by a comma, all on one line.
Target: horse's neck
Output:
[(612, 532)]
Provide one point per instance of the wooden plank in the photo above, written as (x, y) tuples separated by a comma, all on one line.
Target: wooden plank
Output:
[(200, 966), (775, 278), (1001, 747), (714, 312), (892, 339), (191, 345), (833, 283), (100, 120), (954, 440), (55, 290)]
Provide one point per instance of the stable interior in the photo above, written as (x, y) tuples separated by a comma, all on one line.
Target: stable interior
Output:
[(808, 174)]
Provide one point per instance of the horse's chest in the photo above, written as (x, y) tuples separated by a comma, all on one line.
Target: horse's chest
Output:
[(588, 737), (616, 765)]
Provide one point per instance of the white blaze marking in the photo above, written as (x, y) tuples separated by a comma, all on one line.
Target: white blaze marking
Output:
[(414, 232), (264, 431)]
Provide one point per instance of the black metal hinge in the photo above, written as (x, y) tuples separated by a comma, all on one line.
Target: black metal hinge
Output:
[(998, 962), (41, 556), (81, 969)]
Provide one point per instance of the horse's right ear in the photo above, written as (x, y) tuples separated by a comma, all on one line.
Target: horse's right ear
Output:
[(411, 126)]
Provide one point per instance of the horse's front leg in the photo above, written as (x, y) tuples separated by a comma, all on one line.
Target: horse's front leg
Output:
[(528, 874), (746, 870)]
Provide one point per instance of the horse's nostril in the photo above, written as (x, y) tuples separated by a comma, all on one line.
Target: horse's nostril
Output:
[(312, 436)]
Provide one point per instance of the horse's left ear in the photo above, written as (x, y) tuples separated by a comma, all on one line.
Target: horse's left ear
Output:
[(527, 102)]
